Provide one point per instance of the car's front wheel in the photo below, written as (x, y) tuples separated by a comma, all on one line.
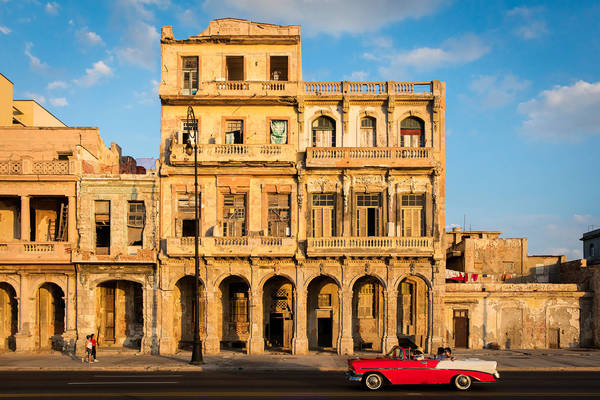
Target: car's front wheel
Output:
[(372, 381), (462, 382)]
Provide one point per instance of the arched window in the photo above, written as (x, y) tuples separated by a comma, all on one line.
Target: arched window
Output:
[(412, 132), (368, 132), (323, 132)]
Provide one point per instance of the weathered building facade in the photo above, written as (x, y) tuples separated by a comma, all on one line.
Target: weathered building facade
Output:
[(322, 203), (322, 215)]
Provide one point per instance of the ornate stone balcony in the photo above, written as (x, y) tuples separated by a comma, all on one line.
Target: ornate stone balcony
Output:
[(290, 89), (214, 154), (35, 252), (29, 167), (243, 246), (370, 246), (358, 157)]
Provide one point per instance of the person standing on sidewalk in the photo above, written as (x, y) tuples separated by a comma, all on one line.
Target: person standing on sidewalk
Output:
[(88, 350), (94, 346)]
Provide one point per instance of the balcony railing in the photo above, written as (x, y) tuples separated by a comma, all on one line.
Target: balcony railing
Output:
[(291, 88), (233, 246), (28, 167), (35, 252), (219, 153), (378, 245), (368, 156)]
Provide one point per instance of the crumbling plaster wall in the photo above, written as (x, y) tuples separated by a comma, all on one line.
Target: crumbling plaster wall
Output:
[(520, 315)]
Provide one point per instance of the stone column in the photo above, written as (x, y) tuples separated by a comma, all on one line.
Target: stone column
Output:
[(390, 338), (70, 335), (346, 342), (25, 340), (300, 341), (211, 343), (25, 221), (256, 342), (72, 221)]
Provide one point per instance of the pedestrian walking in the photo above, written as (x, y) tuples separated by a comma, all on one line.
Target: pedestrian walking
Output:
[(94, 346)]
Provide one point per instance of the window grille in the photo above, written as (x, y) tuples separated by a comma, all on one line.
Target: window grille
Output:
[(279, 215)]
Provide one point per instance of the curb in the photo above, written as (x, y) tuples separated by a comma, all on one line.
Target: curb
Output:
[(264, 370)]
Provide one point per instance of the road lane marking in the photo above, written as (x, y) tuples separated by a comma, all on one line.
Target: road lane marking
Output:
[(137, 376), (121, 383)]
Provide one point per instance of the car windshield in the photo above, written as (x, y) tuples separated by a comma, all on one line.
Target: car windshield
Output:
[(396, 353)]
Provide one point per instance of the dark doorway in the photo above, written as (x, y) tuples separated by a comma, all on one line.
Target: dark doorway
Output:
[(324, 332), (235, 68), (461, 329), (276, 330), (108, 303)]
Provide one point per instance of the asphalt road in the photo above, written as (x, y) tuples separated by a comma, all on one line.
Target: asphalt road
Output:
[(278, 385)]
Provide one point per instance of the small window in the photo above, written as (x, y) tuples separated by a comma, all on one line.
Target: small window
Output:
[(189, 73), (324, 300), (102, 220), (412, 132), (188, 228), (188, 129), (235, 68), (64, 156), (592, 250), (279, 68), (234, 131), (279, 131), (135, 223)]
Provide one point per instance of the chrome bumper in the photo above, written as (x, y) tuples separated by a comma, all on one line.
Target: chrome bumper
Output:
[(351, 377)]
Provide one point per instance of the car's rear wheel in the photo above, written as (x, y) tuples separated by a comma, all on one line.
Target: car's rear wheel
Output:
[(372, 381), (462, 382)]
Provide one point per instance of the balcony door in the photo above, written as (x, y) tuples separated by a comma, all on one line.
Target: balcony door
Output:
[(323, 132), (234, 215), (368, 214), (323, 215)]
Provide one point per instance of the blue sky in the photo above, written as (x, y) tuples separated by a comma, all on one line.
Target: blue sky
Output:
[(523, 86)]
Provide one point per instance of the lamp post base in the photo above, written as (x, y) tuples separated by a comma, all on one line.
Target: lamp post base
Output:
[(197, 354)]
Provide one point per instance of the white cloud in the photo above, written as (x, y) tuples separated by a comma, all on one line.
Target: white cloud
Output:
[(5, 30), (141, 38), (564, 112), (88, 37), (36, 96), (52, 8), (34, 62), (357, 76), (529, 23), (454, 51), (148, 96), (59, 102), (144, 42), (57, 85), (187, 18), (326, 16), (92, 75), (491, 91)]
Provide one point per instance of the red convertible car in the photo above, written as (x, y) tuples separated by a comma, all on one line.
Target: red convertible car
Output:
[(401, 367)]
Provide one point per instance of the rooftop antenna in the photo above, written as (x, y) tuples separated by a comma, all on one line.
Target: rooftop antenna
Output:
[(464, 222)]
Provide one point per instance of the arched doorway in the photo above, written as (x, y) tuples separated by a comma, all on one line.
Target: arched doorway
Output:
[(50, 311), (413, 311), (278, 313), (183, 315), (119, 314), (235, 312), (323, 132), (367, 314), (8, 317), (323, 313)]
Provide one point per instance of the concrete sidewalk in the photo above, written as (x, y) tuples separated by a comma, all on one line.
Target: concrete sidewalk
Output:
[(508, 360)]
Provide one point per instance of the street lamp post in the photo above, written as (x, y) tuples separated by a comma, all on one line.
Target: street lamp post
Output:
[(192, 145)]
